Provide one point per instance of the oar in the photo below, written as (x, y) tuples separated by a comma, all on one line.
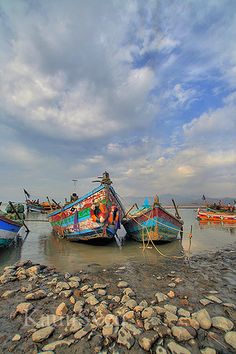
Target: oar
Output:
[(26, 227), (57, 204), (49, 203), (131, 209)]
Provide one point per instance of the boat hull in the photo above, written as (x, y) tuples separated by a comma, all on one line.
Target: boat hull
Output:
[(154, 224), (95, 216), (8, 231), (216, 216)]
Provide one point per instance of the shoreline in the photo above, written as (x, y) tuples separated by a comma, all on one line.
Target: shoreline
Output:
[(119, 309)]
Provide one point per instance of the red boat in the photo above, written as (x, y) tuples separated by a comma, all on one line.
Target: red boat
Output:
[(216, 216)]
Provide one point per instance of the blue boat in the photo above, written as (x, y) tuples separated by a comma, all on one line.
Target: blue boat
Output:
[(8, 230)]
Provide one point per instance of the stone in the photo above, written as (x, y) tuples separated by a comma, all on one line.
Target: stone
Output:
[(230, 339), (16, 338), (48, 320), (222, 323), (75, 278), (99, 286), (183, 313), (36, 295), (42, 334), (152, 323), (78, 306), (116, 298), (159, 310), (84, 288), (122, 284), (171, 308), (162, 330), (214, 299), (83, 332), (171, 294), (205, 302), (102, 292), (160, 297), (61, 309), (107, 330), (175, 348), (62, 285), (170, 318), (91, 300), (143, 303), (203, 318), (72, 300), (34, 270), (22, 309), (74, 325), (8, 293), (125, 298), (129, 292), (160, 350), (128, 316), (147, 339), (65, 293), (181, 333), (131, 328), (188, 322), (147, 312), (208, 350), (73, 284), (125, 338), (138, 308), (58, 344), (111, 319), (172, 285), (131, 304)]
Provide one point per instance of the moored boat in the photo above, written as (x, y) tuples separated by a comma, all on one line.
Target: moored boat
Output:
[(152, 223), (9, 229), (97, 215), (216, 216)]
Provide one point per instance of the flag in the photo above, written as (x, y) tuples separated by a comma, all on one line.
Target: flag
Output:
[(27, 194), (146, 203)]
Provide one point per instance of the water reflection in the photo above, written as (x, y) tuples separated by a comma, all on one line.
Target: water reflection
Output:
[(218, 225), (42, 246)]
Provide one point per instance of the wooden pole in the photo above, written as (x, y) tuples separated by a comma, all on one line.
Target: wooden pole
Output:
[(49, 203), (27, 229), (58, 205), (176, 210)]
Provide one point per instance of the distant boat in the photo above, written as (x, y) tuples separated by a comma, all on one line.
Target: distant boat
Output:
[(95, 216), (152, 223), (8, 230), (36, 206), (216, 216)]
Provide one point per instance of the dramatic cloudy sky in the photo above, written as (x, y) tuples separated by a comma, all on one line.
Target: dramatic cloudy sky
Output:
[(143, 89)]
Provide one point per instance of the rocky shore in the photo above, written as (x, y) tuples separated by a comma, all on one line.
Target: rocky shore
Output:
[(176, 308)]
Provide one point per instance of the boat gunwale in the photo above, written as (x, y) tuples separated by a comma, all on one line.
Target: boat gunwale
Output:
[(10, 221)]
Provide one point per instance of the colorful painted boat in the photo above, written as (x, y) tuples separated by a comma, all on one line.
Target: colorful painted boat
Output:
[(152, 223), (216, 216), (97, 215), (8, 231), (34, 207)]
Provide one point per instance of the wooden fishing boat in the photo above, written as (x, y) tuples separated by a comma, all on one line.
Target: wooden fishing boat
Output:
[(97, 215), (152, 223), (216, 216), (9, 229)]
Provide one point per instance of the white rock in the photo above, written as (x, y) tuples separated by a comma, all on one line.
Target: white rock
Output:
[(160, 297), (203, 318), (122, 284), (222, 323), (42, 334), (208, 350), (230, 339), (125, 338), (177, 349), (181, 333)]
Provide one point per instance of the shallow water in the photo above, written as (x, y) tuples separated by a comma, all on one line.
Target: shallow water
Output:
[(42, 246)]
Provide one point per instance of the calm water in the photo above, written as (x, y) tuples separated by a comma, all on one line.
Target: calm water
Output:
[(43, 247)]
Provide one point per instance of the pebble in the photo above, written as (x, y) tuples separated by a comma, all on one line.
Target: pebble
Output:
[(99, 286), (152, 323), (147, 312), (22, 308), (189, 322), (172, 285), (203, 318), (208, 350), (107, 330), (102, 292), (131, 304), (61, 309), (58, 344), (230, 305), (214, 299), (111, 319), (147, 339), (42, 334), (131, 328), (175, 348), (16, 338), (181, 333), (125, 338), (37, 295), (160, 297), (205, 302), (62, 285), (78, 306), (128, 316), (222, 323), (160, 350), (8, 293), (65, 293), (122, 284), (230, 339), (91, 300), (83, 331), (170, 318), (183, 313), (171, 294), (74, 325), (171, 308)]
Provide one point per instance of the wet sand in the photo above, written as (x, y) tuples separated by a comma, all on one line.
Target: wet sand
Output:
[(154, 324)]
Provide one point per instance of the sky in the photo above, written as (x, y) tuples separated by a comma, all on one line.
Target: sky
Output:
[(143, 89)]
